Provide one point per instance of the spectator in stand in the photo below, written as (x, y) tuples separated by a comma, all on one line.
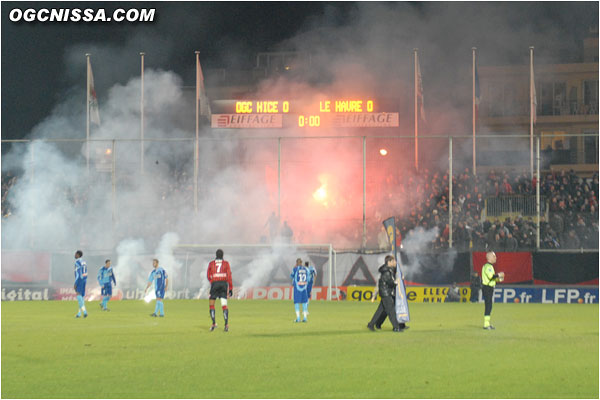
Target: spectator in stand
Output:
[(461, 237), (398, 238), (571, 241), (511, 243), (506, 188), (273, 225), (286, 232)]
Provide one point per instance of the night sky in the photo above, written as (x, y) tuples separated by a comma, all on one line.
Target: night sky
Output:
[(36, 75)]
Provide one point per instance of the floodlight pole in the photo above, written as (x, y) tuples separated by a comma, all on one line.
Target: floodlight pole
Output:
[(364, 210), (142, 115), (197, 143), (450, 191), (473, 49), (87, 120), (114, 184), (537, 195), (279, 178), (330, 273)]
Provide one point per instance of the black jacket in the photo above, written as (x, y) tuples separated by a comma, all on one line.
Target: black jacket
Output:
[(387, 284)]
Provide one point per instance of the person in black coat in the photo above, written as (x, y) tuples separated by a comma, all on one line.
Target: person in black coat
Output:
[(387, 290), (475, 287)]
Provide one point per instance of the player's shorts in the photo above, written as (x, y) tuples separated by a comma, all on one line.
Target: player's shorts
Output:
[(300, 296), (309, 289), (160, 294), (218, 290), (107, 290), (80, 289)]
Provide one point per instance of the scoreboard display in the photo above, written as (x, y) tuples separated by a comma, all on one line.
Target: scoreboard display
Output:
[(334, 113)]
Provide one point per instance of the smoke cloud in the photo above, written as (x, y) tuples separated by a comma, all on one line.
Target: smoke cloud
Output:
[(361, 51), (128, 266), (415, 247)]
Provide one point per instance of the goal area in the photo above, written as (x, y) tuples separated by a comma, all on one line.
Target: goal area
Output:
[(259, 265)]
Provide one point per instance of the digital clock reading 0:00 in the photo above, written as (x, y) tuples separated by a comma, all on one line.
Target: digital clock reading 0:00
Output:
[(311, 121)]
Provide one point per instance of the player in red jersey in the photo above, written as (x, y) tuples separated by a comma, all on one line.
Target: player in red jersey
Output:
[(221, 286)]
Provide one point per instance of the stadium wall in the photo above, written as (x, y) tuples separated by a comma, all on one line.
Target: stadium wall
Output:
[(415, 294)]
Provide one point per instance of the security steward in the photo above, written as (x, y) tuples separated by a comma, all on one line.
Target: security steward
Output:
[(488, 281), (387, 291)]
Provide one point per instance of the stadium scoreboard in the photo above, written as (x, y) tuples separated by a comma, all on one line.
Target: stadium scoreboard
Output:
[(327, 113)]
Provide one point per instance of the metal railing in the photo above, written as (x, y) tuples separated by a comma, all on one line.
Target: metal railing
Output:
[(511, 205)]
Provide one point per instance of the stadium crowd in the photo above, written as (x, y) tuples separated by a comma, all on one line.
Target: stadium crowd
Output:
[(572, 200)]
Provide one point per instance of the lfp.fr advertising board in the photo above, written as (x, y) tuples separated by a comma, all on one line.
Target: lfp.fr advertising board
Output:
[(502, 294)]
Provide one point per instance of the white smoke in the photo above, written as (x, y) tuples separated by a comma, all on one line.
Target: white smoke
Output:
[(416, 245), (129, 266), (167, 260), (265, 263)]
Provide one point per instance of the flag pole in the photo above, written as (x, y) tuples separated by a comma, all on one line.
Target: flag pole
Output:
[(537, 194), (87, 121), (474, 121), (142, 115), (531, 110), (416, 113), (196, 149)]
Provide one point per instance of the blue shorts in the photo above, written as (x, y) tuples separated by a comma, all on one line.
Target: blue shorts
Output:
[(300, 296), (160, 294), (107, 290), (80, 289), (309, 289)]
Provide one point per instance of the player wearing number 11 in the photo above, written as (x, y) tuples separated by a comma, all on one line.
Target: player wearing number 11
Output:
[(300, 275)]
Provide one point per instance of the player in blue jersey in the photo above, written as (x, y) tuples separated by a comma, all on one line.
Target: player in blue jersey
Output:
[(161, 283), (300, 282), (312, 274), (106, 278), (80, 281)]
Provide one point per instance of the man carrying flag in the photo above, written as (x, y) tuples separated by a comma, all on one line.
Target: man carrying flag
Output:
[(389, 284), (387, 288)]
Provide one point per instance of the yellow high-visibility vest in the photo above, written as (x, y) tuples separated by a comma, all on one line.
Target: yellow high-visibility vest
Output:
[(487, 273)]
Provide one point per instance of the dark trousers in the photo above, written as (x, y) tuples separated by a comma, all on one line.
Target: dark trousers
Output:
[(474, 294), (488, 295), (386, 309)]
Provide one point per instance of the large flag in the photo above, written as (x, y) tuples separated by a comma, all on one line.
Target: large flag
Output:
[(390, 228), (201, 91), (94, 112), (420, 92), (402, 312)]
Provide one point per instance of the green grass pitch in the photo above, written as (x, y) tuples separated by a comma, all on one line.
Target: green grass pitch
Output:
[(537, 351)]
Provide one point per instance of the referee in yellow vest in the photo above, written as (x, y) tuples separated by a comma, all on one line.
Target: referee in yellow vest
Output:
[(488, 281)]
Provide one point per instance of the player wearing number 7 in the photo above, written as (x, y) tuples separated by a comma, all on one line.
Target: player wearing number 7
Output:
[(299, 277), (221, 286), (488, 280)]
